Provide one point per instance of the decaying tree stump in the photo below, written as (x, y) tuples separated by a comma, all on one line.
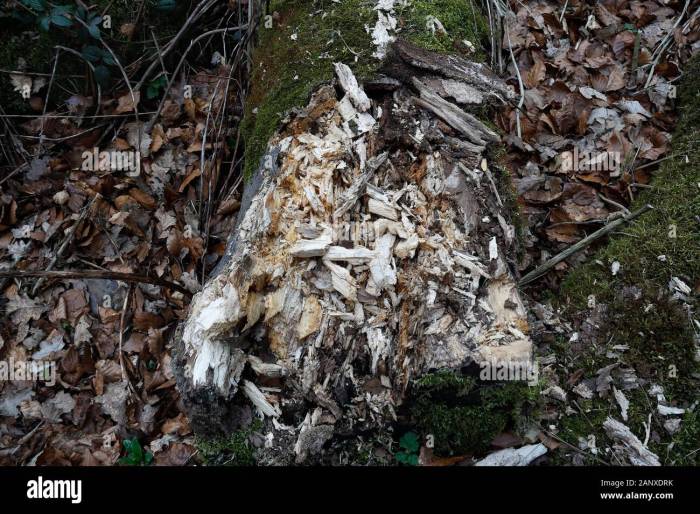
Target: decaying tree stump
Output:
[(371, 248)]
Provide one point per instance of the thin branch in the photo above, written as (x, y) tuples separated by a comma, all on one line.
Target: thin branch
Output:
[(179, 65), (94, 274), (94, 75), (542, 270)]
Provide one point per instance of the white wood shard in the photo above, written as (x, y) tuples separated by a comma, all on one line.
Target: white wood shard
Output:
[(383, 274), (258, 399), (306, 248), (407, 248), (274, 303), (622, 401), (493, 248), (382, 33), (522, 456), (267, 369), (670, 411), (382, 209), (349, 84), (311, 317), (629, 445), (342, 281), (357, 255)]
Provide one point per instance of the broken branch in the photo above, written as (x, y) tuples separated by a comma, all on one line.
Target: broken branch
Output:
[(537, 273)]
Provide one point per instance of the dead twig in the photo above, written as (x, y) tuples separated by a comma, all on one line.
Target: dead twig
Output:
[(48, 94), (542, 270), (69, 237), (150, 124), (126, 377), (100, 275)]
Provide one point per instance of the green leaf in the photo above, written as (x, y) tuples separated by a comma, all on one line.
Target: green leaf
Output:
[(37, 5), (409, 441), (44, 23), (94, 28), (107, 58), (60, 20), (155, 87), (102, 75), (134, 453), (166, 5), (63, 9), (92, 53)]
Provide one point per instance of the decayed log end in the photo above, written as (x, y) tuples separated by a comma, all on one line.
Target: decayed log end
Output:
[(371, 248)]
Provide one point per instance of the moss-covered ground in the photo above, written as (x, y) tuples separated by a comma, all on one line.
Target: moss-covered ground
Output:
[(236, 450), (463, 23), (462, 415), (658, 330)]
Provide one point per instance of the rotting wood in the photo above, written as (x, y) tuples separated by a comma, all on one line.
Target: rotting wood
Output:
[(359, 263)]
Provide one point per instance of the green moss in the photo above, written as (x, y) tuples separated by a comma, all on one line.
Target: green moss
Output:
[(445, 383), (460, 430), (686, 448), (236, 450), (287, 70), (463, 416), (461, 19)]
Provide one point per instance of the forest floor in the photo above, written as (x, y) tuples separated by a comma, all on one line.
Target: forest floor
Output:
[(616, 325)]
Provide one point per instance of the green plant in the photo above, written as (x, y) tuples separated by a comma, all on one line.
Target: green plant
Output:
[(155, 87), (101, 59), (63, 16), (165, 5), (409, 449), (236, 450), (135, 456)]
